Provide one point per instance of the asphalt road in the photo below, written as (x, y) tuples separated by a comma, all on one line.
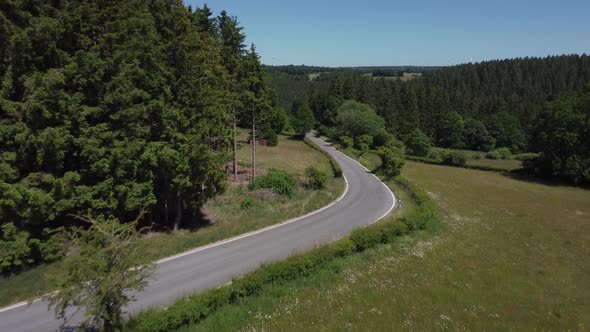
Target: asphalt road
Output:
[(365, 201)]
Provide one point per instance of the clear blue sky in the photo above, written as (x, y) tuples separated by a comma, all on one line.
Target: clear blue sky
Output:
[(410, 32)]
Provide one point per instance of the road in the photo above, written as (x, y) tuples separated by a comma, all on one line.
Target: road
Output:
[(365, 200)]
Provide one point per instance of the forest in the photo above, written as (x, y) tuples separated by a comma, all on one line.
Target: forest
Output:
[(524, 105), (109, 108), (113, 109)]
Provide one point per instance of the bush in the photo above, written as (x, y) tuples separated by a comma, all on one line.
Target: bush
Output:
[(392, 161), (418, 143), (435, 154), (247, 202), (454, 158), (278, 181), (500, 153), (494, 154), (326, 131), (14, 249), (526, 156), (346, 141), (383, 138), (364, 143), (316, 179), (364, 238)]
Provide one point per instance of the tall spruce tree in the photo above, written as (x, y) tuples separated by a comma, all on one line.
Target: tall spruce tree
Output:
[(105, 108)]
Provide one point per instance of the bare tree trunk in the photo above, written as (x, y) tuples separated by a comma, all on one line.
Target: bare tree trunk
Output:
[(253, 146), (235, 164), (178, 217)]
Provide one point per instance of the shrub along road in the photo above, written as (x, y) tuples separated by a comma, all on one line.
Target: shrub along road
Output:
[(366, 200)]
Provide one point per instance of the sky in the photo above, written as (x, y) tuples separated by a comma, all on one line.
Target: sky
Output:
[(411, 32)]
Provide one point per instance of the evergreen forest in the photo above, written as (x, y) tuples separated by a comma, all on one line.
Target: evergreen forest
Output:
[(520, 105), (109, 108)]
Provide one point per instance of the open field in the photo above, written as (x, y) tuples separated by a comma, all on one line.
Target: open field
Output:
[(512, 256), (226, 217), (501, 164), (290, 155)]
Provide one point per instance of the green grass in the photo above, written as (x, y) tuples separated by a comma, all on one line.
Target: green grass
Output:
[(227, 218), (232, 317), (512, 255), (501, 164)]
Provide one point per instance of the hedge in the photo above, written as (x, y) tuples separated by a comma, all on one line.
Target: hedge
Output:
[(439, 162), (335, 166), (195, 308)]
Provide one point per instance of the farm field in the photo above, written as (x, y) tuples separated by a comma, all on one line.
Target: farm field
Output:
[(501, 164), (512, 256)]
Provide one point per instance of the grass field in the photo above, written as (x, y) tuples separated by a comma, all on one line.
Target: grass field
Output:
[(513, 255), (501, 164), (226, 216)]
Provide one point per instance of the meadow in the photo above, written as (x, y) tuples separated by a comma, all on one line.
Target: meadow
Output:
[(512, 255)]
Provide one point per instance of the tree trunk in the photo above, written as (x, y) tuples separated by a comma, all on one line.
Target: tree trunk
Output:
[(235, 163), (253, 146), (167, 219), (178, 217)]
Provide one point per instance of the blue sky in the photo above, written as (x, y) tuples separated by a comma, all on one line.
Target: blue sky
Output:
[(411, 32)]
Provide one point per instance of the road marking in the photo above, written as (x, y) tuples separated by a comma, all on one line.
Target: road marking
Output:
[(268, 228), (386, 186), (239, 237), (20, 304)]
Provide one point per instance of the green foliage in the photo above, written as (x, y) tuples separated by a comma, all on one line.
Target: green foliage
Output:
[(333, 163), (392, 161), (100, 277), (562, 136), (347, 142), (302, 118), (316, 179), (108, 108), (500, 153), (506, 130), (355, 119), (454, 158), (198, 307), (247, 202), (526, 156), (476, 136), (273, 124), (14, 249), (279, 182), (450, 131), (327, 131), (417, 143), (364, 142), (383, 138)]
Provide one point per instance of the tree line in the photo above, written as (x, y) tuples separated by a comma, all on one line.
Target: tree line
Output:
[(108, 107), (482, 106)]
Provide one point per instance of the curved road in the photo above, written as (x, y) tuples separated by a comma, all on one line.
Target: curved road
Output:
[(365, 201)]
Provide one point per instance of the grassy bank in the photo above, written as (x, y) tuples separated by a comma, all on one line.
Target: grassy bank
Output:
[(511, 257), (229, 307), (225, 217)]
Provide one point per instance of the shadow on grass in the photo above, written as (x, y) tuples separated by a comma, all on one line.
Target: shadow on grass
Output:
[(523, 175), (192, 223)]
